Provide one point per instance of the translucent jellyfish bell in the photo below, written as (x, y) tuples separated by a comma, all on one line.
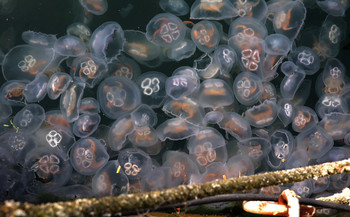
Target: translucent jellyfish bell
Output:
[(215, 93), (303, 189), (176, 7), (225, 57), (70, 100), (235, 125), (306, 59), (119, 131), (251, 8), (39, 39), (182, 50), (285, 111), (124, 67), (276, 48), (304, 118), (12, 93), (336, 125), (262, 115), (282, 143), (212, 10), (333, 7), (110, 180), (57, 84), (207, 146), (247, 88), (107, 41), (89, 69), (97, 7), (205, 35), (256, 148), (165, 30), (56, 137), (138, 47), (333, 76), (214, 171), (152, 86), (246, 37), (157, 179), (79, 30), (185, 108), (36, 90), (239, 165), (329, 103), (144, 116), (179, 86), (292, 80), (176, 129), (86, 125), (289, 19), (333, 32), (135, 163), (315, 142), (69, 45), (29, 118), (89, 105), (181, 167), (118, 96), (50, 168), (26, 61), (88, 155)]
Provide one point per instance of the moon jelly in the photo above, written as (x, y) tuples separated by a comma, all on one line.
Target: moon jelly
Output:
[(107, 41), (26, 61), (165, 30), (118, 96)]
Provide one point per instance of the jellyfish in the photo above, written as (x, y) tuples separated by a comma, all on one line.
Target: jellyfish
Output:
[(107, 41), (50, 168), (303, 118), (90, 69), (215, 93), (36, 90), (181, 167), (70, 100), (70, 46), (262, 115), (212, 10), (124, 67), (176, 129), (176, 7), (24, 62), (289, 19), (135, 163), (97, 7), (152, 86), (207, 147), (57, 84), (333, 7), (235, 125), (205, 35), (39, 39), (79, 30), (315, 142), (110, 180), (282, 147), (89, 105), (86, 125), (247, 88), (294, 76), (251, 8), (188, 109), (88, 155), (29, 118), (165, 30), (118, 96)]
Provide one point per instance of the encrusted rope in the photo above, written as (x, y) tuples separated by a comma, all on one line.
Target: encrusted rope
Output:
[(130, 202)]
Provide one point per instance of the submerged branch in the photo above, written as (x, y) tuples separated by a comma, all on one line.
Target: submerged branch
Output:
[(130, 202)]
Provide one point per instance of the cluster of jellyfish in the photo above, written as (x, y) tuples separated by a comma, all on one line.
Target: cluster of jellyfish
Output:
[(238, 110)]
